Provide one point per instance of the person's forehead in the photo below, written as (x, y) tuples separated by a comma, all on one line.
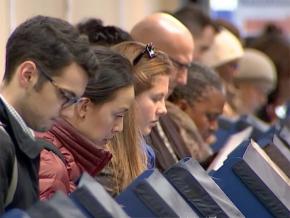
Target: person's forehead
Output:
[(177, 44), (209, 33), (182, 53), (122, 98), (256, 85), (211, 100), (160, 80), (72, 78), (184, 44), (168, 37)]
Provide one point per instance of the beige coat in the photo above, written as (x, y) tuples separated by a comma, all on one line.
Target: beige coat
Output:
[(198, 148)]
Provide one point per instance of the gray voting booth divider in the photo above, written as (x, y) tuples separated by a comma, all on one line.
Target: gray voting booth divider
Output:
[(277, 150), (284, 135), (253, 186), (94, 201), (89, 200), (200, 191), (151, 195), (59, 206), (265, 179), (16, 213)]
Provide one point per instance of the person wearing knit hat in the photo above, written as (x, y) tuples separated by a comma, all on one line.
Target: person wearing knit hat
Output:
[(223, 57), (256, 79)]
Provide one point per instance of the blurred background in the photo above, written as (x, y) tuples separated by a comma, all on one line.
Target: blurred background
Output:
[(250, 16)]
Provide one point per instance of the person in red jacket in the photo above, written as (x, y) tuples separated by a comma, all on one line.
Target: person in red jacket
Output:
[(84, 128)]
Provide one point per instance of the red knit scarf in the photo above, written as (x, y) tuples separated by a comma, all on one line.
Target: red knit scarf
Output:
[(88, 155)]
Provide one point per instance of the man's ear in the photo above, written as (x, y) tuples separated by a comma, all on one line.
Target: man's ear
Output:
[(182, 104), (27, 74), (82, 107)]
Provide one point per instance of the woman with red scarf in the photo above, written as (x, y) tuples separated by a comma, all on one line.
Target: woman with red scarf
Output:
[(85, 127)]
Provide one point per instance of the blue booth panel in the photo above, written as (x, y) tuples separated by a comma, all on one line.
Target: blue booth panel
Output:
[(151, 195), (200, 190), (228, 127), (253, 185), (284, 135), (94, 201), (16, 213), (277, 151), (59, 206), (259, 127)]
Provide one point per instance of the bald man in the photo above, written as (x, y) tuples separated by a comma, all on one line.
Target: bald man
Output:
[(171, 36)]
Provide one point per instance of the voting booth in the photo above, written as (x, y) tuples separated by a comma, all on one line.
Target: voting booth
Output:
[(226, 128), (59, 206), (200, 190), (229, 127), (277, 150), (151, 195), (259, 127), (93, 200), (284, 135), (254, 183), (89, 200), (16, 213)]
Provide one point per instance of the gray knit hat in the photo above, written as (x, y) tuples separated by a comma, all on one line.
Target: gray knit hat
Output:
[(256, 66)]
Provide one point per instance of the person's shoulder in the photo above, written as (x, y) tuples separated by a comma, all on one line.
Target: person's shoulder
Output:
[(7, 150), (49, 161), (6, 143)]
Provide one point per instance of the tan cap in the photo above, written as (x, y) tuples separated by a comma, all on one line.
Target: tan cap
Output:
[(226, 48), (257, 66)]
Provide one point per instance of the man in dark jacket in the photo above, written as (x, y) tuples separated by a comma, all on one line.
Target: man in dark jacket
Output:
[(47, 68)]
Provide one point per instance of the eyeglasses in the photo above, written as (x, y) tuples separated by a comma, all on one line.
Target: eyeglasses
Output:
[(149, 50), (69, 97), (179, 65)]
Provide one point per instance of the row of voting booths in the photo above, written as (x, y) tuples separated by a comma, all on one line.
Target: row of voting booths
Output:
[(249, 177)]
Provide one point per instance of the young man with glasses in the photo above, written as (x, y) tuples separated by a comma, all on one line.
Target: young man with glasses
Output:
[(48, 66), (68, 96)]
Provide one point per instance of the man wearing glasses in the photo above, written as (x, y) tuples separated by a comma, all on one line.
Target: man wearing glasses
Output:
[(171, 36), (48, 66)]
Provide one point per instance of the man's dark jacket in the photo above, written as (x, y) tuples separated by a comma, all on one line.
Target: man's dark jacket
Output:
[(164, 158), (18, 143)]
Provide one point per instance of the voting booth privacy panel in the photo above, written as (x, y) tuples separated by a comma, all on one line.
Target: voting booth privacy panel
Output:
[(284, 135), (277, 150), (229, 127), (249, 180), (254, 183), (93, 199), (200, 190), (59, 206), (151, 195), (16, 213), (90, 200)]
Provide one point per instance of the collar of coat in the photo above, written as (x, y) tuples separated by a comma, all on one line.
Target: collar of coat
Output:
[(20, 139)]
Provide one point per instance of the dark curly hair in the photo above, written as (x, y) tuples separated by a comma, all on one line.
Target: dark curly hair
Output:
[(200, 78), (99, 34)]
